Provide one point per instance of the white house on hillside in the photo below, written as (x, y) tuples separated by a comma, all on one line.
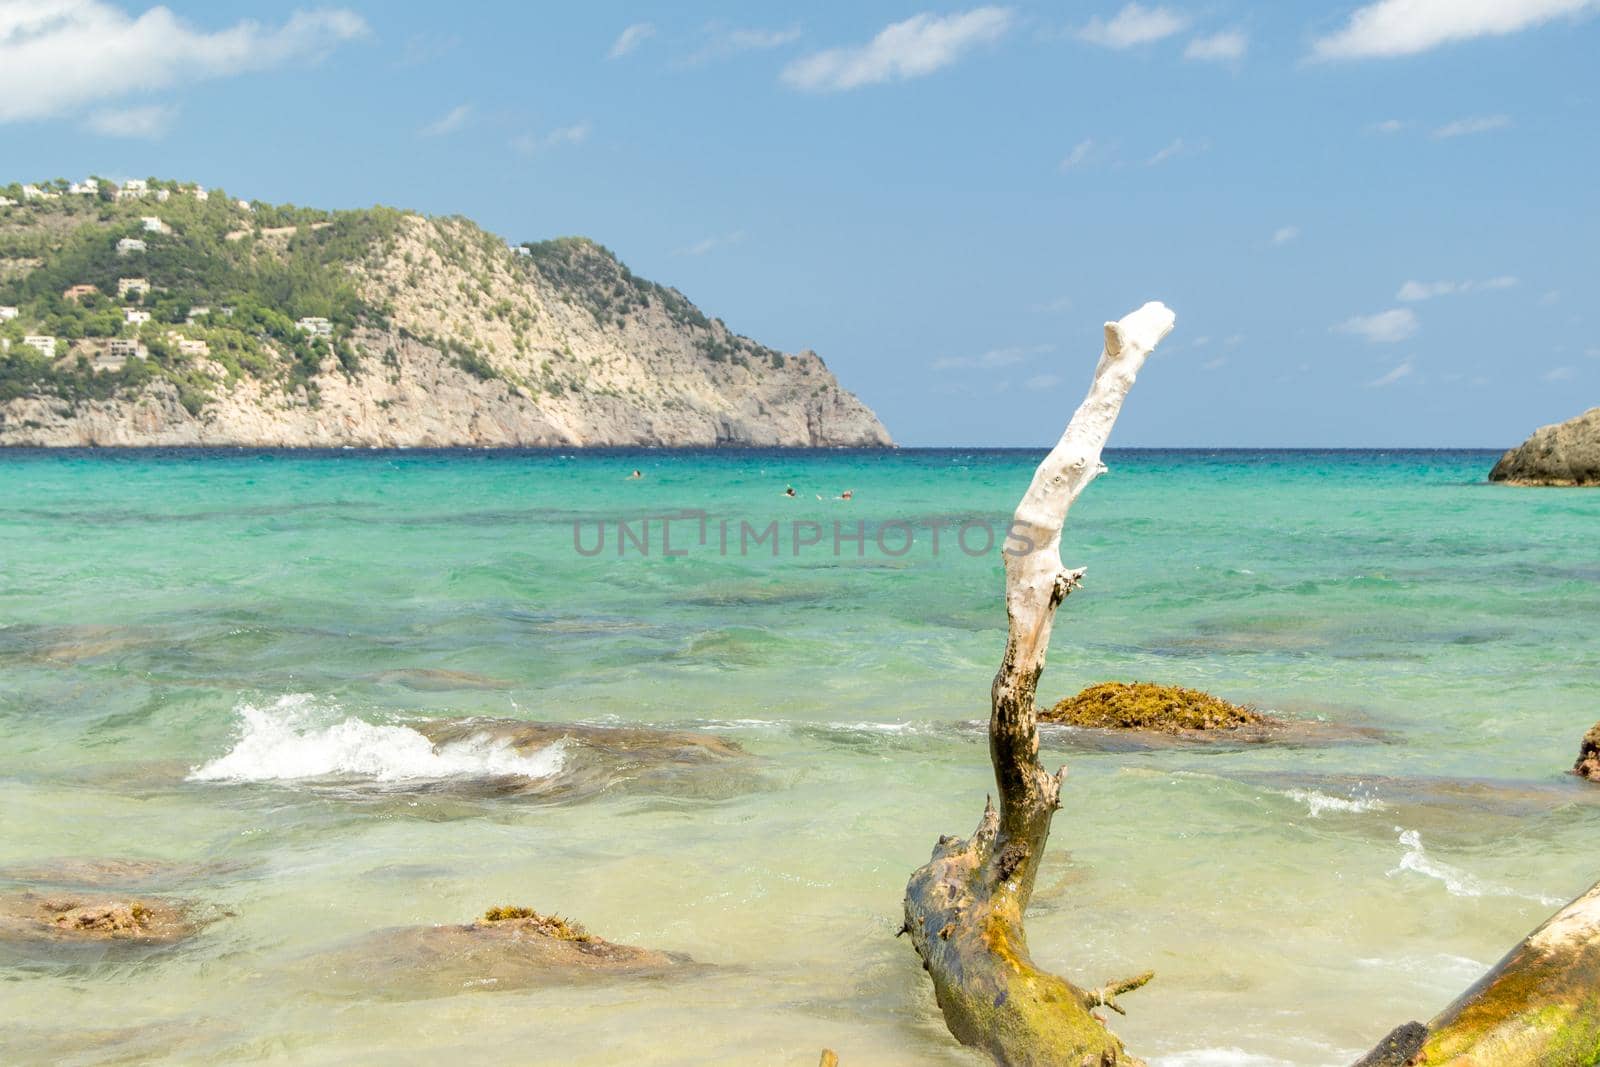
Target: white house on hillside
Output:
[(87, 187), (7, 313), (315, 326), (129, 245), (45, 345), (153, 224), (199, 193), (132, 285), (133, 188), (135, 317), (198, 312)]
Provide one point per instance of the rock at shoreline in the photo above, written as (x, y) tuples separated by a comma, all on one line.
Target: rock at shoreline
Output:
[(1567, 453), (60, 918), (509, 948), (1588, 765), (1147, 706)]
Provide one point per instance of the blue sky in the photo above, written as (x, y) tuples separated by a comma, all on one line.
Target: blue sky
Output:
[(1378, 222)]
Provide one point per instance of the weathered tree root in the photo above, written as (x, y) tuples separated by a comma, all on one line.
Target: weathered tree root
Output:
[(1538, 1006), (964, 908)]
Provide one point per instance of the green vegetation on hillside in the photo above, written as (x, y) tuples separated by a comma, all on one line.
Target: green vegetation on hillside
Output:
[(236, 278)]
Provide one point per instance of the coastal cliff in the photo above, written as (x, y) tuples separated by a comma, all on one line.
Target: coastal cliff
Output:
[(1566, 453), (171, 315)]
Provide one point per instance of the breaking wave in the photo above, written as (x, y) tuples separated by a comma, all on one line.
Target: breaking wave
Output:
[(1321, 803), (294, 737), (1457, 883)]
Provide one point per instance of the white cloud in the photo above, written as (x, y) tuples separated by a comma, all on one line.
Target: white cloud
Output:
[(149, 122), (1559, 374), (1229, 46), (1081, 153), (994, 357), (1134, 25), (913, 48), (1284, 234), (1550, 299), (1464, 127), (1389, 126), (1406, 27), (1179, 147), (630, 39), (1386, 327), (1041, 382), (722, 43), (1413, 292), (1400, 373), (58, 56), (1054, 307), (529, 143), (711, 244), (1213, 364), (449, 122)]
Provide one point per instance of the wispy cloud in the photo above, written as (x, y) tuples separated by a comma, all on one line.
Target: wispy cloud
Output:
[(1386, 327), (914, 48), (1476, 124), (1177, 148), (1406, 27), (1082, 153), (711, 244), (1229, 46), (630, 39), (1134, 25), (1389, 126), (1214, 364), (57, 57), (724, 43), (528, 144), (1040, 382), (1285, 234), (1399, 374), (450, 122), (1560, 374), (1412, 292), (149, 122), (995, 357), (1055, 306)]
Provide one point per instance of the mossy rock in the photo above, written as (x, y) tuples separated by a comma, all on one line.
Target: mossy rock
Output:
[(1148, 706), (1588, 765), (39, 917), (533, 922)]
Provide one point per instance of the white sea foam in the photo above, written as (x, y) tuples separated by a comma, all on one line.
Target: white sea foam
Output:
[(294, 737), (1457, 883), (1320, 803)]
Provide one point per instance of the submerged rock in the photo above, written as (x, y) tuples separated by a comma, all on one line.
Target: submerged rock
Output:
[(1148, 706), (114, 873), (1566, 453), (598, 758), (39, 917), (509, 948), (1588, 765), (435, 680)]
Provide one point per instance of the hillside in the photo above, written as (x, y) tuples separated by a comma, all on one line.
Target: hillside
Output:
[(160, 313)]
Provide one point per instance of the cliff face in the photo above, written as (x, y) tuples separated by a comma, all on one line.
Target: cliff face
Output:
[(1567, 453), (439, 335)]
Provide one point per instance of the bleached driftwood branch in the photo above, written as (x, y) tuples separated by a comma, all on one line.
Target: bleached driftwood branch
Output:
[(964, 908)]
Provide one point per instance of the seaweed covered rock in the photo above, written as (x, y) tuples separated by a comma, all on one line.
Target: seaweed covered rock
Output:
[(32, 916), (508, 948), (1588, 765), (1566, 453), (1148, 706)]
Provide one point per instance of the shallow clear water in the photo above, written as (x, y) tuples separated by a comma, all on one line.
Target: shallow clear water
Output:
[(213, 660)]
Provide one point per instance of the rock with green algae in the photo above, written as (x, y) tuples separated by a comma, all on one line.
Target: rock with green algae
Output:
[(1149, 706), (1588, 765), (510, 947), (63, 918)]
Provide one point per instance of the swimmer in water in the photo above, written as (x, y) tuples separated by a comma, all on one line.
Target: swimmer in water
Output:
[(634, 475), (789, 491)]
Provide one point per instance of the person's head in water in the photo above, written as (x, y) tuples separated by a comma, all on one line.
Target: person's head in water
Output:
[(636, 474), (788, 491), (847, 494)]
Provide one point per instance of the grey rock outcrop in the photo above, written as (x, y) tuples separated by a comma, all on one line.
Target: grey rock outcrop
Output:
[(1566, 453)]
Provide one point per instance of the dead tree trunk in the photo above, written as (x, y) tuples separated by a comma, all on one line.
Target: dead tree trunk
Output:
[(964, 908), (1539, 1005)]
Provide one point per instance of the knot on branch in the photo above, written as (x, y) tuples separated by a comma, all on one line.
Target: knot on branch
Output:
[(1106, 995), (1066, 582)]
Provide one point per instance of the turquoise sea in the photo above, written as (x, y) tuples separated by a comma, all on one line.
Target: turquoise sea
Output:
[(214, 661)]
